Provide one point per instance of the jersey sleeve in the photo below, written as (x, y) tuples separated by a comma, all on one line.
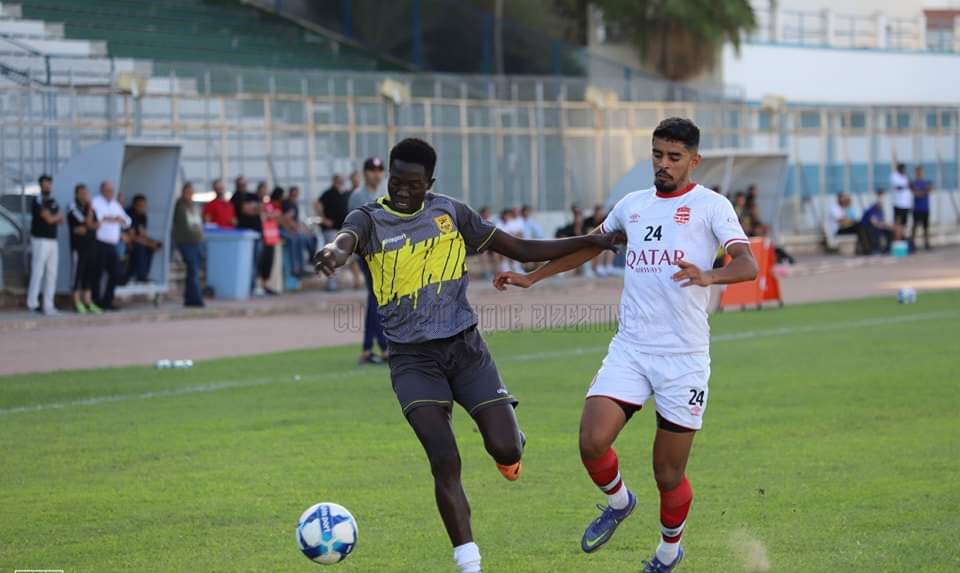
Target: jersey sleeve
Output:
[(359, 224), (614, 220), (75, 218), (726, 225), (475, 231)]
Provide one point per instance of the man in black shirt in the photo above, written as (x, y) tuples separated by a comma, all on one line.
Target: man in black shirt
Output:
[(247, 206), (43, 236), (332, 209), (83, 243)]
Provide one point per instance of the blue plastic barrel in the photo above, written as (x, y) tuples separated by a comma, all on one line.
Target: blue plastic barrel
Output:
[(229, 261)]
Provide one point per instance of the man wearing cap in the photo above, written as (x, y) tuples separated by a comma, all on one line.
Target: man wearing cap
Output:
[(371, 190)]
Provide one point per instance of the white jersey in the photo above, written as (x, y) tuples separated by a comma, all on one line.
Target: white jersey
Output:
[(657, 315)]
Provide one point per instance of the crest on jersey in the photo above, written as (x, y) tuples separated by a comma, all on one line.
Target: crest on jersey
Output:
[(682, 216), (444, 223)]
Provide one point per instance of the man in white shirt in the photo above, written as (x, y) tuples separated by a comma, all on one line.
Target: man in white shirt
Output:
[(662, 346), (902, 195), (511, 224), (113, 219), (532, 229)]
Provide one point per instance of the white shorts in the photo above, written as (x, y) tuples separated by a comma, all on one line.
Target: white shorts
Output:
[(677, 382)]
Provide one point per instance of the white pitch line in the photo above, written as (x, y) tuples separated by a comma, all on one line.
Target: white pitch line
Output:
[(216, 387)]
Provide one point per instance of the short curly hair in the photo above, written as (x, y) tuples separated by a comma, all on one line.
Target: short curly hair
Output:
[(681, 130), (418, 151)]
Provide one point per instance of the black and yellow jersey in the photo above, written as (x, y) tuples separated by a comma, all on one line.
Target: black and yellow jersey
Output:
[(418, 264)]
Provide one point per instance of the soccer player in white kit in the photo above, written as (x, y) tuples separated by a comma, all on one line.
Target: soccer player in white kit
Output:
[(662, 346)]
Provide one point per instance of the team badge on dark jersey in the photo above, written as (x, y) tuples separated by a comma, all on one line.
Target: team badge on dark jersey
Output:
[(444, 223)]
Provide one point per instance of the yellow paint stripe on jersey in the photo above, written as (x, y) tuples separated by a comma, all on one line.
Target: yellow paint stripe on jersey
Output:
[(404, 271)]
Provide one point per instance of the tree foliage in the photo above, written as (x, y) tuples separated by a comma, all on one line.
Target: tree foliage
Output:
[(679, 38)]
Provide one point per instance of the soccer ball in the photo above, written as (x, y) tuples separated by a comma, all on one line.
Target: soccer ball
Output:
[(327, 533), (907, 295)]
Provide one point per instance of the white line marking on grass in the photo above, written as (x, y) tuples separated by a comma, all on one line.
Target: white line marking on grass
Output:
[(216, 387)]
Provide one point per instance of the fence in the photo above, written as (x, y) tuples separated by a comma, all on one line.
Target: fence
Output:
[(495, 152)]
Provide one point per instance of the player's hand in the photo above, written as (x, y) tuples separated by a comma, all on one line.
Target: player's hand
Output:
[(521, 280), (692, 274), (610, 241), (325, 261)]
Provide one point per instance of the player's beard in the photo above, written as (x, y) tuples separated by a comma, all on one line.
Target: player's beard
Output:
[(665, 187), (668, 186)]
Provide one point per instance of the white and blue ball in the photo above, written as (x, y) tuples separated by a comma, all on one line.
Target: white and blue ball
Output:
[(327, 533), (907, 295)]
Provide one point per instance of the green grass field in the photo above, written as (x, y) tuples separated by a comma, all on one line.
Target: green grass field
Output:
[(832, 442)]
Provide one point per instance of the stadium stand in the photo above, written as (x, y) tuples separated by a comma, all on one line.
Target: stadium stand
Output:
[(221, 31)]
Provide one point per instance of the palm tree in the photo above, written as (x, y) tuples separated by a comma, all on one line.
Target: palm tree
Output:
[(680, 38)]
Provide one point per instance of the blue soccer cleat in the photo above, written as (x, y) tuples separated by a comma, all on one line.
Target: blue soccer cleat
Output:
[(657, 566), (601, 529)]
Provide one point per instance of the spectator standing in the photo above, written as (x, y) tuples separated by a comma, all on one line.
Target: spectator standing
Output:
[(902, 196), (188, 238), (269, 237), (46, 217), (113, 219), (332, 207), (922, 187), (372, 190), (355, 180), (247, 207), (219, 212), (142, 246), (83, 245)]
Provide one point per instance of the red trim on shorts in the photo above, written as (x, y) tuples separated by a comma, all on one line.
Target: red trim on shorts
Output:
[(675, 195)]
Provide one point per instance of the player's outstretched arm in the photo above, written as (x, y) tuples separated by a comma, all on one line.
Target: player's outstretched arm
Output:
[(555, 266), (742, 268), (334, 255), (535, 250)]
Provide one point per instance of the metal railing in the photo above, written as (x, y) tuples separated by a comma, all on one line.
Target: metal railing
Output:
[(493, 152), (24, 64), (828, 28)]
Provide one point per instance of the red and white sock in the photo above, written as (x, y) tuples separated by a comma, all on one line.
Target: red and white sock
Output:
[(674, 507), (605, 472)]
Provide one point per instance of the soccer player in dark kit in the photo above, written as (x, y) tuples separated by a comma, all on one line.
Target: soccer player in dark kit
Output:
[(416, 242)]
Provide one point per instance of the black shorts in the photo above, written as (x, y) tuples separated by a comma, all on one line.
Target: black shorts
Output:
[(921, 218), (440, 372), (900, 216)]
